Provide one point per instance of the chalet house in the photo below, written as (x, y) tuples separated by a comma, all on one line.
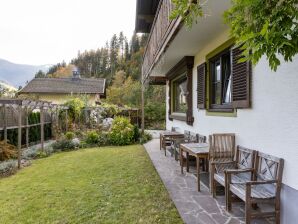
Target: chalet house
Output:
[(208, 91), (59, 90)]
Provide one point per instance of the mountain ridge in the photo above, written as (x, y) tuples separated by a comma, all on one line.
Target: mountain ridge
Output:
[(18, 74)]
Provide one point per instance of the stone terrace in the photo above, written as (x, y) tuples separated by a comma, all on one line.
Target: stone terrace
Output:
[(194, 207)]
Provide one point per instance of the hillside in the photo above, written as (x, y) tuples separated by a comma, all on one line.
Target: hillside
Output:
[(18, 74)]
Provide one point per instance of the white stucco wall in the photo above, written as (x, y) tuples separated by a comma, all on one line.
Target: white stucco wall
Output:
[(270, 126)]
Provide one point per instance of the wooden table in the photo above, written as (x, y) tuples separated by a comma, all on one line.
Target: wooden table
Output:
[(168, 135), (198, 150)]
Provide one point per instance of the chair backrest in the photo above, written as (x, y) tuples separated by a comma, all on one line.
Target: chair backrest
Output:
[(222, 146), (245, 157), (187, 135), (201, 138), (268, 167), (193, 137)]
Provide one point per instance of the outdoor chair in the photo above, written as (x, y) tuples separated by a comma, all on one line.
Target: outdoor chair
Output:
[(263, 187), (244, 160), (222, 150)]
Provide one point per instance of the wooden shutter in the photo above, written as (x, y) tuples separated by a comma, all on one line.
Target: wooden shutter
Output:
[(201, 86), (241, 73)]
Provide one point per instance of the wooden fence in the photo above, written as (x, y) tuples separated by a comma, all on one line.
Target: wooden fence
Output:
[(14, 114)]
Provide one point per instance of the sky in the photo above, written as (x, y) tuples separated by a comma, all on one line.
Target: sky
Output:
[(39, 32)]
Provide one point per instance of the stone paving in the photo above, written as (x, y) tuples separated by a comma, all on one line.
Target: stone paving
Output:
[(194, 207)]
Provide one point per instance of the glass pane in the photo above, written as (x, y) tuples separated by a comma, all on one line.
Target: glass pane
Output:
[(180, 95), (226, 71)]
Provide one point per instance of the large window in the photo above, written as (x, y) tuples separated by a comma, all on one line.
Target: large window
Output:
[(223, 83), (220, 80), (180, 95)]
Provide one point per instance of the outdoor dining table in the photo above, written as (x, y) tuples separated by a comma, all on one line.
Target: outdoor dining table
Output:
[(198, 150), (170, 135)]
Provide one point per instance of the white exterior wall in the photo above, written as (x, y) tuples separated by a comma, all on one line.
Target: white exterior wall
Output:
[(270, 126)]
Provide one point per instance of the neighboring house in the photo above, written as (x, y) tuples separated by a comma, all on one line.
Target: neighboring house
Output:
[(59, 90), (257, 104)]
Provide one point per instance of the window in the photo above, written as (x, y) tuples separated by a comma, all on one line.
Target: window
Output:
[(180, 91), (180, 95), (220, 80), (223, 83)]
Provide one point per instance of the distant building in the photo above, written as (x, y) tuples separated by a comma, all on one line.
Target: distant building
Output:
[(59, 90)]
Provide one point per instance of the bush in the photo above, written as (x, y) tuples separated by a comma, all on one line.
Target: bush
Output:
[(7, 151), (30, 153), (136, 133), (122, 132), (92, 138), (146, 137), (64, 145), (8, 167), (69, 135)]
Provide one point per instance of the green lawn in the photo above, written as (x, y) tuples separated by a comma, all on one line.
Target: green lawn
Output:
[(101, 185)]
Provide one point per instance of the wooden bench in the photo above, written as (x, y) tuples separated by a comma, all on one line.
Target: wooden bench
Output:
[(263, 187), (244, 160)]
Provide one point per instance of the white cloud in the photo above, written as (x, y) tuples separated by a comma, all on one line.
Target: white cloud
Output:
[(49, 31)]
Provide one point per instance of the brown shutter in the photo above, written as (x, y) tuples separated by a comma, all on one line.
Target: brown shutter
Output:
[(201, 86), (241, 73)]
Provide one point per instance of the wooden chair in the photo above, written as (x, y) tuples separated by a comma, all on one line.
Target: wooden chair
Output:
[(244, 160), (222, 149), (195, 138), (166, 142), (264, 186)]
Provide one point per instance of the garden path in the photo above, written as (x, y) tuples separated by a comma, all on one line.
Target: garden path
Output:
[(194, 207)]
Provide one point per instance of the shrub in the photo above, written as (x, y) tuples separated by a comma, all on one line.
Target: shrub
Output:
[(122, 132), (7, 151), (69, 135), (136, 133), (64, 145), (8, 167), (30, 153), (92, 138), (146, 137)]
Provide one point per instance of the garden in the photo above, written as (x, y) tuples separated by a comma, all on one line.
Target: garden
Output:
[(72, 127), (93, 169)]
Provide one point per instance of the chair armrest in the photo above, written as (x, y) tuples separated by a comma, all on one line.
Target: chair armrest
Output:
[(235, 171), (259, 182)]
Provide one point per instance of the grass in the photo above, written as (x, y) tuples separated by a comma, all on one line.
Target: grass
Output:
[(100, 185)]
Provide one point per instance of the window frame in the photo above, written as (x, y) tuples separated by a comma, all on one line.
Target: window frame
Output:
[(183, 67), (183, 76), (223, 107)]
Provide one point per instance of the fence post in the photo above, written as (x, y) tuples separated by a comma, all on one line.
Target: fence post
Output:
[(27, 127), (5, 122), (42, 128), (66, 119), (142, 106), (19, 135)]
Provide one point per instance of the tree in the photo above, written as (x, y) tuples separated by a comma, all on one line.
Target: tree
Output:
[(40, 74), (262, 28), (267, 28)]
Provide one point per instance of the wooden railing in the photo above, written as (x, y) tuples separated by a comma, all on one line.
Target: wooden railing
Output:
[(161, 32)]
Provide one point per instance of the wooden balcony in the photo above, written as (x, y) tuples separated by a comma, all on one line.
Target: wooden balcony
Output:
[(162, 31)]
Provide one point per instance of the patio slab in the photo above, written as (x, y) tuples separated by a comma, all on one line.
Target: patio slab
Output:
[(194, 207)]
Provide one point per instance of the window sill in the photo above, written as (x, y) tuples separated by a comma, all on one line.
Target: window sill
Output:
[(222, 112), (180, 117)]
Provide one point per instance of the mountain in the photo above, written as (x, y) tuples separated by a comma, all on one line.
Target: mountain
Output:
[(18, 74)]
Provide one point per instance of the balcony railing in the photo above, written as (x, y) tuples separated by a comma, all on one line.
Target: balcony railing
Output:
[(161, 32)]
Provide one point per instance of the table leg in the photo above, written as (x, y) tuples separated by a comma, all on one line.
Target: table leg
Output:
[(181, 159), (198, 173), (160, 141), (187, 162)]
